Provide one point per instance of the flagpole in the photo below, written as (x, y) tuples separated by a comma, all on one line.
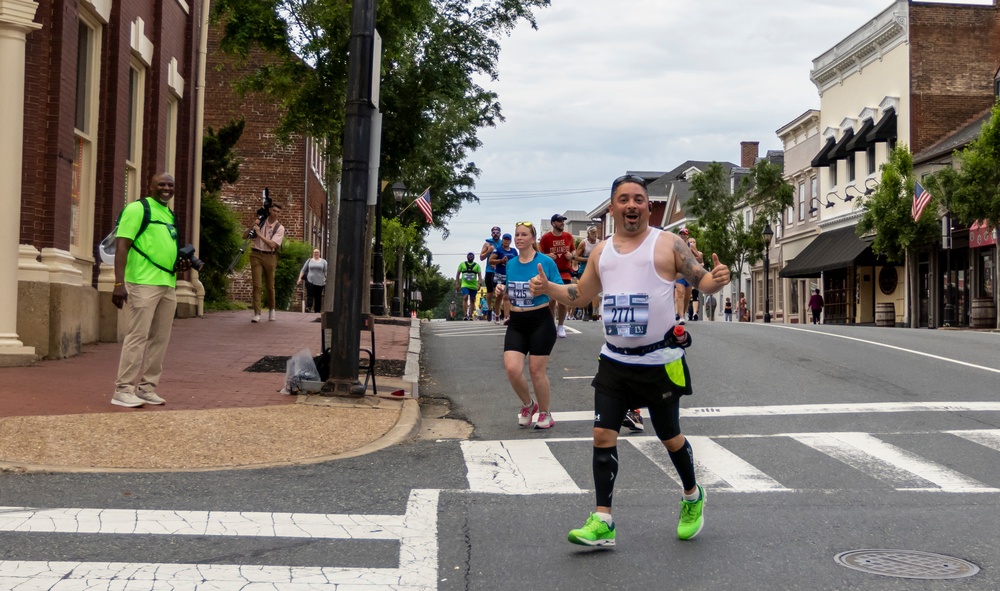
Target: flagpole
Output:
[(414, 201)]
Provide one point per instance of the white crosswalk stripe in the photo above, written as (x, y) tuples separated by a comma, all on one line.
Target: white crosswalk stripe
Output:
[(886, 462), (521, 467), (526, 467), (416, 532)]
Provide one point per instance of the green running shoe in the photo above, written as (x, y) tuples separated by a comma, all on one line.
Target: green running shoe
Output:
[(593, 533), (692, 517)]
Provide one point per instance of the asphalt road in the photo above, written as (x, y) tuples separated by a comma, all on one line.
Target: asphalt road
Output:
[(812, 441)]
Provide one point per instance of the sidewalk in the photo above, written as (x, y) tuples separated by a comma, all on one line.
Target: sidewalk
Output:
[(57, 415)]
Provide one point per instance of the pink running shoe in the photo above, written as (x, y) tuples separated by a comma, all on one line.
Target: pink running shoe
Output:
[(527, 412), (544, 421)]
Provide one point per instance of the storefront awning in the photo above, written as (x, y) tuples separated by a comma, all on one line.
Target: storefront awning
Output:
[(823, 157), (885, 129), (981, 235), (835, 249), (860, 143), (840, 151)]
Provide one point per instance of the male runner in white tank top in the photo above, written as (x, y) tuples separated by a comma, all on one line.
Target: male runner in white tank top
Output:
[(640, 364)]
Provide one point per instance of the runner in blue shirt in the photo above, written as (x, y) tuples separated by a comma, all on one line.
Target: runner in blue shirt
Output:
[(499, 259), (532, 329)]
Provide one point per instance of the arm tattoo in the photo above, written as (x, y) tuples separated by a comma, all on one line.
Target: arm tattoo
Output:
[(571, 293), (690, 268)]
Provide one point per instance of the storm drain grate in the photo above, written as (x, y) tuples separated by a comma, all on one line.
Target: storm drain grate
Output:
[(909, 564)]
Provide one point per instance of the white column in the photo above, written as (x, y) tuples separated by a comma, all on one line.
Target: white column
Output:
[(16, 18)]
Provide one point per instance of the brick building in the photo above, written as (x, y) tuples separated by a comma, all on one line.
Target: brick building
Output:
[(911, 75), (294, 172), (97, 97)]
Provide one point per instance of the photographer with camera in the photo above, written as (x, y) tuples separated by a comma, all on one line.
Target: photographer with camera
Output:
[(267, 237), (146, 264)]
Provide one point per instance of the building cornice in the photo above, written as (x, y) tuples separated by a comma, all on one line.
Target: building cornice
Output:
[(868, 44), (19, 14)]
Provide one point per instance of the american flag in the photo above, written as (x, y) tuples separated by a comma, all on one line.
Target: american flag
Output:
[(920, 200), (424, 203)]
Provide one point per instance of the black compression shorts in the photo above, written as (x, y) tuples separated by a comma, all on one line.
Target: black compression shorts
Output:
[(531, 332), (490, 283)]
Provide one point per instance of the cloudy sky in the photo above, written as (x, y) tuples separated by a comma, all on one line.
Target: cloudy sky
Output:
[(603, 87)]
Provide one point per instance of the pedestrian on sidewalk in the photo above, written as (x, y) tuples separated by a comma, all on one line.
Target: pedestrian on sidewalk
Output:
[(146, 266), (642, 362), (816, 305), (710, 305), (314, 273), (728, 310), (531, 333)]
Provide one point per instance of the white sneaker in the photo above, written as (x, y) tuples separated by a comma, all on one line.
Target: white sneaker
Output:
[(544, 421), (527, 414), (256, 318), (270, 315), (127, 399), (561, 331), (149, 397)]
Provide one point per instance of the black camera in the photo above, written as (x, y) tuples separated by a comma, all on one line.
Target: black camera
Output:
[(262, 213), (187, 252)]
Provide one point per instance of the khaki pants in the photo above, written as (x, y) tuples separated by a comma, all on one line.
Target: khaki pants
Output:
[(149, 317), (262, 266)]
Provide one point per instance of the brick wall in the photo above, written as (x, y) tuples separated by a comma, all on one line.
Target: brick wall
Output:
[(49, 115), (748, 153), (954, 54), (283, 168)]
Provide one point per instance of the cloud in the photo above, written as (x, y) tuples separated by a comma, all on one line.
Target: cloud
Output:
[(604, 87)]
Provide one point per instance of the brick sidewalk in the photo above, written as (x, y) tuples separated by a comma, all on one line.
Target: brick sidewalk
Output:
[(203, 369)]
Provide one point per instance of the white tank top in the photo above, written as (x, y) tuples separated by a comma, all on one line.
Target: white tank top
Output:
[(588, 247), (638, 304)]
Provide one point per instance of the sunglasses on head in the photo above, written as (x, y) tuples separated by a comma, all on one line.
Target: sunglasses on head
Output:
[(528, 224), (628, 178)]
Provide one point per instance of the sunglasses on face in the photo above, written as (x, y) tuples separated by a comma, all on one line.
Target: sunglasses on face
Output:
[(628, 178)]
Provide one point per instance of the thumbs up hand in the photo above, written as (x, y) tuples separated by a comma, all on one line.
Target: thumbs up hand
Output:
[(539, 284), (720, 272)]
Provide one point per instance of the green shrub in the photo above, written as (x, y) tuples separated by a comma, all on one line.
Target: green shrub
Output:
[(293, 255), (220, 242)]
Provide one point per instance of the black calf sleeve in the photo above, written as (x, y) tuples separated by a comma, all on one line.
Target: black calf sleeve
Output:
[(605, 471), (683, 460)]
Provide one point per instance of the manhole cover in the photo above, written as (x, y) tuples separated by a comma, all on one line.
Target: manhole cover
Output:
[(908, 564)]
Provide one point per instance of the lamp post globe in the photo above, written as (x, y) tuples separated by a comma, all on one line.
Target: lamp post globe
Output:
[(768, 234)]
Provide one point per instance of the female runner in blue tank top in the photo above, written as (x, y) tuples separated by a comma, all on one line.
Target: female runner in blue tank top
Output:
[(532, 329)]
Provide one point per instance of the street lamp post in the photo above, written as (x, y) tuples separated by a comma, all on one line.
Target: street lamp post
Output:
[(768, 234), (378, 262), (398, 192)]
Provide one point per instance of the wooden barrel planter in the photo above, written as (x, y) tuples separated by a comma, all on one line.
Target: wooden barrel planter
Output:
[(983, 313), (885, 314)]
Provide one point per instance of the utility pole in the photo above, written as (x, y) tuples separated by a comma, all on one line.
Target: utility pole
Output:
[(345, 322)]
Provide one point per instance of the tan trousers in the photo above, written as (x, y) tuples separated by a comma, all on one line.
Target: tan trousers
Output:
[(262, 266), (149, 317)]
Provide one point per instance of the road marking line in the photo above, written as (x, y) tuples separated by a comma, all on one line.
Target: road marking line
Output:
[(515, 467), (894, 347), (889, 463), (986, 437), (416, 532), (740, 475), (807, 409)]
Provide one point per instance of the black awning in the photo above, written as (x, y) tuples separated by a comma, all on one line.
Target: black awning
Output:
[(835, 249), (823, 158), (860, 142), (885, 129), (840, 150)]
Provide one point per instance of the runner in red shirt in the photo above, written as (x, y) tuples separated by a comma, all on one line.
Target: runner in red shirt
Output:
[(560, 246)]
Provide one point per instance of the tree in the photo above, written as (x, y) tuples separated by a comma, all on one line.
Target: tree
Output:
[(220, 227), (887, 210), (434, 52), (717, 210), (978, 197)]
